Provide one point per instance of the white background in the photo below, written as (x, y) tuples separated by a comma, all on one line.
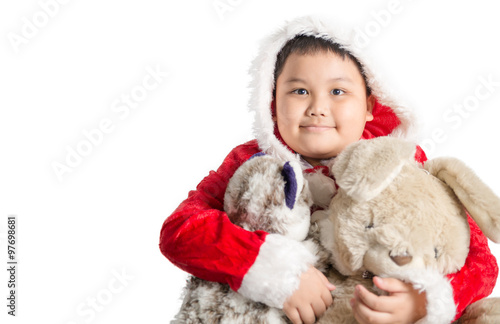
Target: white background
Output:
[(105, 216)]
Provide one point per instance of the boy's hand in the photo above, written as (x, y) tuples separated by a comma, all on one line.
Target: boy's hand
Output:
[(403, 305), (311, 299)]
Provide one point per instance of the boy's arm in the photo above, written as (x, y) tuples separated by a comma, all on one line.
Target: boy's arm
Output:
[(478, 276), (200, 239), (198, 235)]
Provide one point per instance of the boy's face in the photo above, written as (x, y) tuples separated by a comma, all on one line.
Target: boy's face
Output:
[(321, 104)]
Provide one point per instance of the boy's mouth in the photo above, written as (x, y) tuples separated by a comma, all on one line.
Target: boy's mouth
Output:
[(317, 128)]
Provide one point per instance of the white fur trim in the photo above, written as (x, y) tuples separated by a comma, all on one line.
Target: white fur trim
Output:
[(441, 307), (262, 84), (275, 274)]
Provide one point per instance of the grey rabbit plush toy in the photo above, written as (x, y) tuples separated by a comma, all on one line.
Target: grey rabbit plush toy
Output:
[(260, 187)]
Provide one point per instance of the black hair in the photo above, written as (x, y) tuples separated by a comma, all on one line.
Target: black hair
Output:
[(304, 44)]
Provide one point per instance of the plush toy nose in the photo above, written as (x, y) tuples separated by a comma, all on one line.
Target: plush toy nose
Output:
[(401, 259)]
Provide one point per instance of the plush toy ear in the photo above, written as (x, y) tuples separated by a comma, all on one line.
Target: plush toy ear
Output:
[(293, 182), (365, 168), (479, 200)]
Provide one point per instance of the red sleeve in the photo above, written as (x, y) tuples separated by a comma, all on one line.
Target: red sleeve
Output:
[(199, 238), (478, 276)]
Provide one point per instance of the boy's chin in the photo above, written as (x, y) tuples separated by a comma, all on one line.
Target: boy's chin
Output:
[(323, 149), (315, 159)]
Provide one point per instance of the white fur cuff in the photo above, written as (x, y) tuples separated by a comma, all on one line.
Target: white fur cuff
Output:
[(275, 275)]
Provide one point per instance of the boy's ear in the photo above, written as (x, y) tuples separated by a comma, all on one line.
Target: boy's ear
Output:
[(370, 102)]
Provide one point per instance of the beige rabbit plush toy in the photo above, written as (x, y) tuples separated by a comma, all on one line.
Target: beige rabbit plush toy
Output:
[(393, 217)]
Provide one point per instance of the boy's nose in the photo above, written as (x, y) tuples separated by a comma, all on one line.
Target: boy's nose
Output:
[(318, 107)]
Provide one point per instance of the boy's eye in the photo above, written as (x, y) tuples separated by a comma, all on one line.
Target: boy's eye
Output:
[(337, 92), (300, 91)]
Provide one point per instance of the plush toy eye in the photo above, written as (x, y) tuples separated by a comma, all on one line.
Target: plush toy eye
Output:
[(436, 253), (369, 226)]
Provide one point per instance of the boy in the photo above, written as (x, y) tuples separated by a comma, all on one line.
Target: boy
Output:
[(312, 96)]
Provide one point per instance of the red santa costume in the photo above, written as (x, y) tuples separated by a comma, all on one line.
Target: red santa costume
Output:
[(199, 238)]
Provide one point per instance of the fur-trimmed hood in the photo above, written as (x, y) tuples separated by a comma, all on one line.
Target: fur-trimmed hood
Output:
[(390, 118)]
